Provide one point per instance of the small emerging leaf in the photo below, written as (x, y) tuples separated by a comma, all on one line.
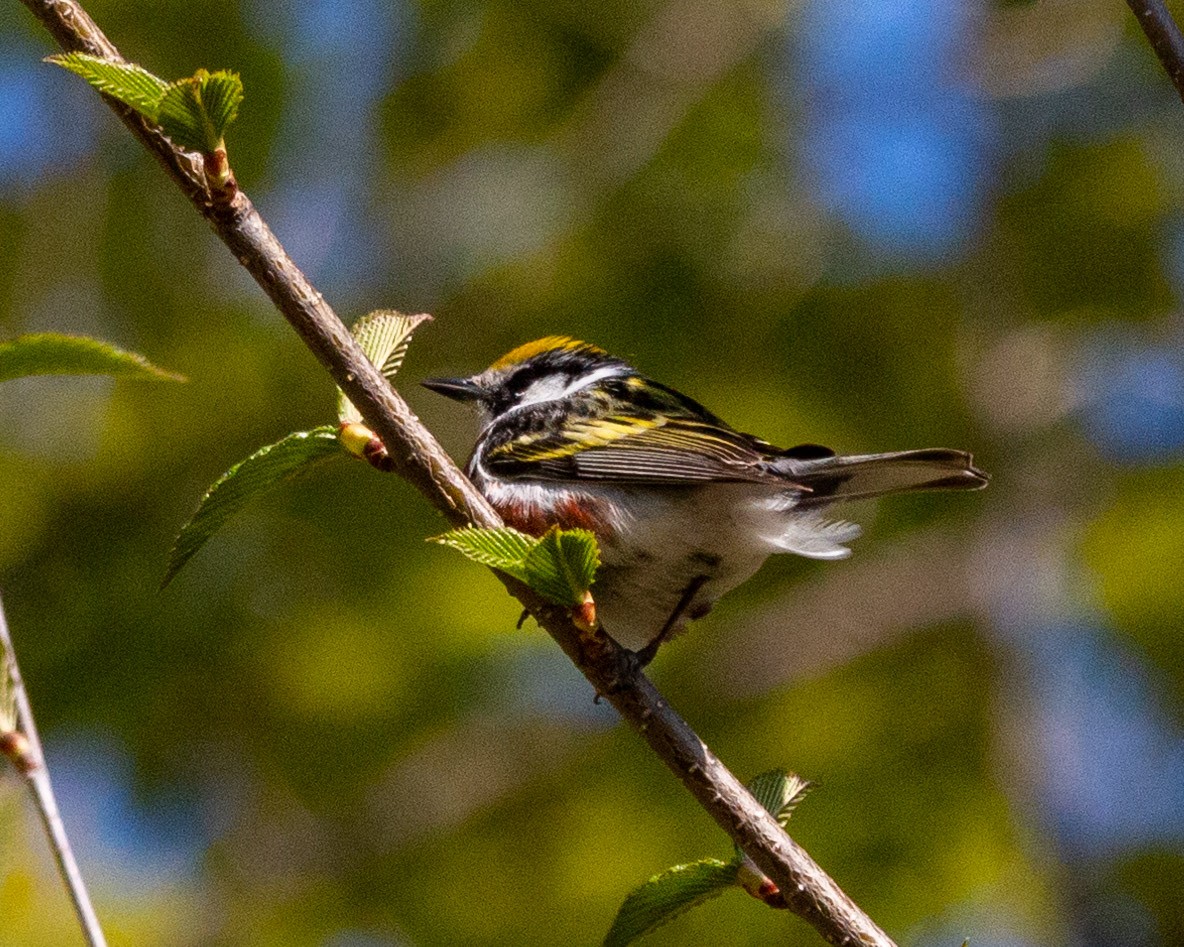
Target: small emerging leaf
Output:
[(779, 792), (222, 94), (267, 467), (505, 549), (47, 353), (125, 81), (667, 895), (384, 336), (562, 567), (195, 112)]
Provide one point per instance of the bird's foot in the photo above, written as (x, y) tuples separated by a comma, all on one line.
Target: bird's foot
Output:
[(624, 676)]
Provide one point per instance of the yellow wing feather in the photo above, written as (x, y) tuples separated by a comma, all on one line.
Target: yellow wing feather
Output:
[(629, 432)]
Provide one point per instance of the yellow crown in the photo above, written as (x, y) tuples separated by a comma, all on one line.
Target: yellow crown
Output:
[(552, 343)]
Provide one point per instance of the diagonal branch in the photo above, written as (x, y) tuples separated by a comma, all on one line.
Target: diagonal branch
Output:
[(809, 891), (30, 760), (1164, 36)]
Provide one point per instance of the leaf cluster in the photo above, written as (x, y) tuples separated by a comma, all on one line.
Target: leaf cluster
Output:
[(561, 565), (194, 112)]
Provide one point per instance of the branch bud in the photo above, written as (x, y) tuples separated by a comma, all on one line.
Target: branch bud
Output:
[(15, 745), (583, 616), (760, 885), (219, 177)]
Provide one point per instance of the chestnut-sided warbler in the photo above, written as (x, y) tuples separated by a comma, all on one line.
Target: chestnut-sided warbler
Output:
[(684, 506)]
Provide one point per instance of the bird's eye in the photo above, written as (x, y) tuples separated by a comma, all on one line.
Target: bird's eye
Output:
[(520, 382)]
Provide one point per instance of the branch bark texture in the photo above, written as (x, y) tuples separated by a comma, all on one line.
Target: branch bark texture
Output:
[(809, 891)]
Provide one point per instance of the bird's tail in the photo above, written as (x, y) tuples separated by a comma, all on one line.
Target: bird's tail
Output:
[(860, 476)]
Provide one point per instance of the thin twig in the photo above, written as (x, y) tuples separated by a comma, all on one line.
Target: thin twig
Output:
[(418, 457), (31, 764), (1165, 37)]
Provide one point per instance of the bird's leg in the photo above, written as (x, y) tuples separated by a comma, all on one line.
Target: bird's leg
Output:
[(633, 662), (646, 654)]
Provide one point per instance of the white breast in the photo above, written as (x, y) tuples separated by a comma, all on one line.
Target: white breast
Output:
[(671, 538), (657, 541)]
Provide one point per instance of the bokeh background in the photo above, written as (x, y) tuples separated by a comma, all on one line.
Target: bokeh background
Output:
[(865, 223)]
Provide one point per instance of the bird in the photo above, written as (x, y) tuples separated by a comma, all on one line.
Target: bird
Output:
[(684, 507)]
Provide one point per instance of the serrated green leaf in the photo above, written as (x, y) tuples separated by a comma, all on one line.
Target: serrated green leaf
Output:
[(505, 549), (562, 566), (384, 336), (130, 84), (779, 792), (183, 117), (222, 94), (667, 895), (266, 468), (195, 112), (48, 353)]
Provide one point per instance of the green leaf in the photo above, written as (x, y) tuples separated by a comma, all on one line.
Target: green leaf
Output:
[(195, 112), (384, 336), (562, 567), (47, 353), (125, 81), (505, 549), (222, 94), (779, 792), (667, 895), (267, 467)]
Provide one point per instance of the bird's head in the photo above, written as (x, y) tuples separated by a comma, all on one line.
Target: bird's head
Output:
[(547, 369)]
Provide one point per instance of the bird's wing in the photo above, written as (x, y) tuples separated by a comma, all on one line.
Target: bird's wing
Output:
[(634, 448)]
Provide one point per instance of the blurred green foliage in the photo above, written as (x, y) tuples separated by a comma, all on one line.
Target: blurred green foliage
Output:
[(328, 732)]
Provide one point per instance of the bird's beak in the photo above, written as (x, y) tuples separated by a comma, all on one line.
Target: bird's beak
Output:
[(458, 389)]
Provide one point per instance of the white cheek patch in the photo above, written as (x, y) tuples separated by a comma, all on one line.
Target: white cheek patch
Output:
[(554, 387), (547, 388)]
